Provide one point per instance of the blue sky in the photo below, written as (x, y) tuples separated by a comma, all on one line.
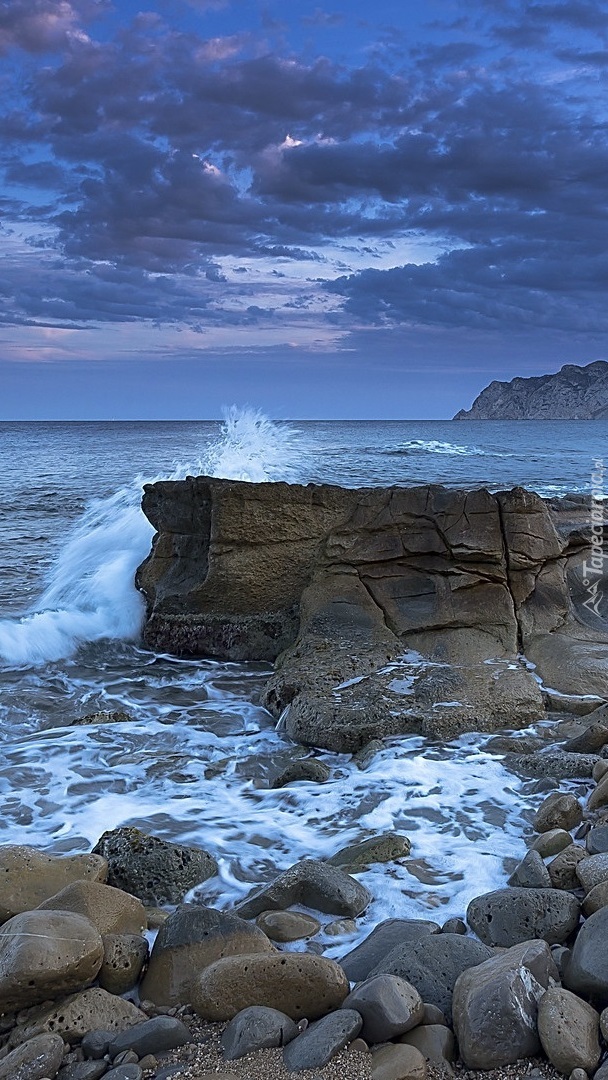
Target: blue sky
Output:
[(353, 210)]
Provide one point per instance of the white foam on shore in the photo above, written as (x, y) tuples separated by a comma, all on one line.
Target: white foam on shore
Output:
[(91, 594)]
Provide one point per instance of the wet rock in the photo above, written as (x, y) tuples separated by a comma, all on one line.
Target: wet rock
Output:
[(111, 910), (192, 938), (152, 869), (151, 1037), (599, 796), (551, 842), (389, 1006), (95, 1043), (560, 810), (360, 961), (309, 769), (83, 1070), (287, 925), (569, 1031), (113, 717), (365, 756), (378, 849), (454, 926), (312, 884), (73, 1017), (256, 1028), (29, 877), (593, 871), (435, 1042), (37, 1059), (563, 869), (589, 741), (396, 1061), (596, 840), (587, 970), (599, 769), (496, 1005), (124, 956), (321, 1041), (340, 927), (432, 965), (299, 984), (552, 764), (595, 899), (507, 916), (531, 873), (125, 1072), (46, 953)]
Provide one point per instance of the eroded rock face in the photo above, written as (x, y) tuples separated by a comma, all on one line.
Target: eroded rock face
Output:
[(425, 596)]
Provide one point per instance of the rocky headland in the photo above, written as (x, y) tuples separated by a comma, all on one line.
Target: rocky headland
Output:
[(385, 610), (573, 393)]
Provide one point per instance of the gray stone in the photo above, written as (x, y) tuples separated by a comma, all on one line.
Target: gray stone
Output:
[(154, 870), (434, 1041), (593, 871), (288, 925), (192, 938), (507, 916), (313, 884), (83, 1070), (596, 840), (73, 1017), (151, 1037), (433, 965), (599, 796), (309, 769), (560, 810), (496, 1004), (531, 873), (256, 1028), (321, 1041), (384, 848), (563, 869), (364, 757), (389, 1006), (589, 741), (36, 1059), (125, 1072), (551, 842), (599, 769), (385, 937), (587, 970), (432, 1015), (95, 1043), (569, 1031), (397, 1061), (553, 765), (454, 926), (596, 898)]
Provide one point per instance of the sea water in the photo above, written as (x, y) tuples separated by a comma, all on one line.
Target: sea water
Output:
[(194, 762)]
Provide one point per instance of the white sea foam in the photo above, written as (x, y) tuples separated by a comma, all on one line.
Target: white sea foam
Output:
[(90, 595), (435, 446)]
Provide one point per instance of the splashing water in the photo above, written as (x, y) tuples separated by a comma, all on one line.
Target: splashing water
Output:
[(91, 595)]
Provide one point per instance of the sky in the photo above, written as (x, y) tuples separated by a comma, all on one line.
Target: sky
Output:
[(360, 209)]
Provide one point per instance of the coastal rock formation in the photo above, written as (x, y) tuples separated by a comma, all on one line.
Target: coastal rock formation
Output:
[(387, 610), (573, 393)]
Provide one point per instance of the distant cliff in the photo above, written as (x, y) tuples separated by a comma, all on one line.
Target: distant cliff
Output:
[(574, 393)]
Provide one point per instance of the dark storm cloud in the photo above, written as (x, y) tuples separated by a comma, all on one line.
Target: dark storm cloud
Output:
[(171, 150)]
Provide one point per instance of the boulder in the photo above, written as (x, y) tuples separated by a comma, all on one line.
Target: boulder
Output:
[(396, 1061), (124, 956), (587, 970), (191, 939), (593, 871), (589, 741), (596, 840), (111, 910), (563, 869), (73, 1017), (377, 849), (321, 1041), (435, 1042), (287, 925), (44, 954), (154, 870), (151, 1037), (29, 876), (83, 1070), (551, 842), (569, 1031), (432, 965), (37, 1059), (309, 769), (389, 1006), (299, 984), (599, 796), (314, 885), (560, 810), (256, 1028), (507, 916), (385, 937), (495, 1006), (595, 899), (531, 873)]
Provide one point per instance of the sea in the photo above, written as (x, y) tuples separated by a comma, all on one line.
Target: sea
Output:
[(194, 762)]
